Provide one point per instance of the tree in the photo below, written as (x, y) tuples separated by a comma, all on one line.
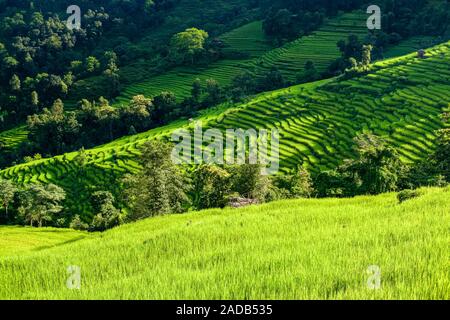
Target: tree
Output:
[(272, 80), (7, 192), (34, 100), (441, 156), (112, 72), (309, 73), (301, 185), (213, 92), (249, 182), (350, 48), (80, 161), (159, 188), (107, 218), (377, 168), (366, 55), (41, 203), (78, 224), (108, 215), (196, 90), (245, 83), (53, 130), (353, 63), (212, 186), (280, 24), (92, 64), (188, 43), (165, 104), (15, 83), (137, 114)]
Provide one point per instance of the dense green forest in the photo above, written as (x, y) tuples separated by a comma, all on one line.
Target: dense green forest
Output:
[(62, 93)]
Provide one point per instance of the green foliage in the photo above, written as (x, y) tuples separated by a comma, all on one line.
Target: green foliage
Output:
[(300, 184), (377, 168), (211, 187), (92, 64), (441, 157), (78, 224), (187, 44), (405, 195), (316, 122), (366, 55), (40, 203), (7, 192), (159, 188), (54, 129), (248, 182), (320, 46), (309, 73)]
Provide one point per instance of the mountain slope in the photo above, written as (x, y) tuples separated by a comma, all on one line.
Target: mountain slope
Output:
[(300, 249), (319, 47), (400, 99)]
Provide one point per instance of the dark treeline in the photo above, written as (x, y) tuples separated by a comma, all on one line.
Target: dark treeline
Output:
[(41, 59)]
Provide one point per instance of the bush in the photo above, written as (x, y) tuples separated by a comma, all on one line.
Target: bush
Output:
[(78, 224), (405, 195), (109, 217)]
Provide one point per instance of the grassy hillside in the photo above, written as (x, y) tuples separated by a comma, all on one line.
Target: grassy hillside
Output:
[(249, 39), (319, 47), (400, 99), (10, 139), (15, 241), (302, 249)]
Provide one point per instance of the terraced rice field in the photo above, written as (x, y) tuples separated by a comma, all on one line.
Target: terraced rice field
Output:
[(319, 47), (248, 39), (400, 99), (409, 45), (10, 140)]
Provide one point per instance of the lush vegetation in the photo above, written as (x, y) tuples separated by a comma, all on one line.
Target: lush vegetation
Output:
[(400, 100), (87, 124), (301, 249), (107, 57), (15, 241)]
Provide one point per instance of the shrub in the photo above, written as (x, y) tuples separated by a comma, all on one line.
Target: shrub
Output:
[(78, 224), (405, 195)]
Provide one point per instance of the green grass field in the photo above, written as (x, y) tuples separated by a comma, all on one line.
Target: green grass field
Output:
[(298, 249), (400, 99), (15, 241)]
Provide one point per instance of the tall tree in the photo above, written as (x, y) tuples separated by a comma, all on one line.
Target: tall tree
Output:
[(160, 187), (7, 192), (188, 43), (41, 203)]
